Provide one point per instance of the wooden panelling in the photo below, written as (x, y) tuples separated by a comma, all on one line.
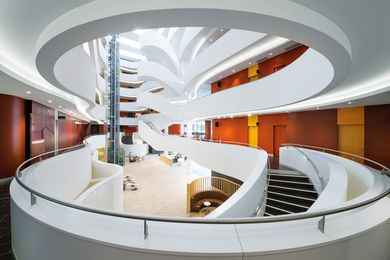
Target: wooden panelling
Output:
[(266, 130), (280, 61), (234, 80), (12, 134), (174, 129), (41, 129), (279, 138), (207, 128), (231, 129), (350, 116), (377, 133), (317, 128)]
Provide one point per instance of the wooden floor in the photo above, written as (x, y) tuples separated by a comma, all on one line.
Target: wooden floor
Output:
[(5, 223), (162, 188)]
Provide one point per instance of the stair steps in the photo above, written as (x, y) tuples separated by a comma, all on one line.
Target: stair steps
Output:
[(288, 192)]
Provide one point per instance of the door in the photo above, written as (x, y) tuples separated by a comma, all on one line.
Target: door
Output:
[(279, 138), (253, 136), (351, 140)]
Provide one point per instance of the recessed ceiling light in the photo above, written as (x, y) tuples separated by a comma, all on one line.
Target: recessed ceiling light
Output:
[(50, 101), (250, 63), (231, 116), (270, 53), (59, 106), (249, 115), (349, 103), (221, 30), (28, 92), (317, 108), (233, 71)]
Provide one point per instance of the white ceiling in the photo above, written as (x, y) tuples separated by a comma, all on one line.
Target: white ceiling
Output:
[(366, 24)]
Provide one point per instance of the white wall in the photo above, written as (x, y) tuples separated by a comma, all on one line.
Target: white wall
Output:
[(64, 176)]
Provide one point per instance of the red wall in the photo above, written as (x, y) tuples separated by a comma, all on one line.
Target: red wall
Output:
[(231, 129), (129, 130), (266, 130), (377, 133), (174, 129), (207, 128), (12, 134), (233, 80), (278, 62), (318, 128)]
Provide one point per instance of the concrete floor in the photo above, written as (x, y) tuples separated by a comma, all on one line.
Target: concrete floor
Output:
[(162, 189)]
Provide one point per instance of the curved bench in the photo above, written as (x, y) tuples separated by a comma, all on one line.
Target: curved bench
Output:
[(215, 197)]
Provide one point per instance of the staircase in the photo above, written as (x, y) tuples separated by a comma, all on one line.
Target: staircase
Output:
[(289, 192)]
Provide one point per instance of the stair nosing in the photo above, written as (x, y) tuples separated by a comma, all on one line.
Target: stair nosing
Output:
[(294, 182), (282, 187), (292, 196), (284, 210), (288, 175), (289, 203)]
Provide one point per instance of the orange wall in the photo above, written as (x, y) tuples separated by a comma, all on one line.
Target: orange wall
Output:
[(231, 129), (129, 130), (266, 130), (275, 63), (174, 129), (233, 80)]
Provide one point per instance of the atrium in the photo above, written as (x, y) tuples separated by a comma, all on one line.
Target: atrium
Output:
[(208, 129)]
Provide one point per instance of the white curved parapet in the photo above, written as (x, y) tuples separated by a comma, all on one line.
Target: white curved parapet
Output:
[(243, 163), (307, 81), (158, 49), (346, 182), (103, 237)]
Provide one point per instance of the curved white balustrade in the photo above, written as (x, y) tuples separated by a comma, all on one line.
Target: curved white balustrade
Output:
[(224, 48), (130, 121), (117, 238), (295, 82), (129, 78), (158, 49), (132, 65), (105, 189), (152, 71), (346, 182), (243, 163), (131, 107)]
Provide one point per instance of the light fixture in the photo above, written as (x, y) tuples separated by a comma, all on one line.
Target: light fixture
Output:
[(233, 71), (349, 102), (60, 106), (28, 92), (221, 30), (317, 108), (249, 115), (270, 53), (250, 63), (50, 101)]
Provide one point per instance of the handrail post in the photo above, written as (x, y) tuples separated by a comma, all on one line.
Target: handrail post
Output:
[(146, 230), (321, 224), (33, 199)]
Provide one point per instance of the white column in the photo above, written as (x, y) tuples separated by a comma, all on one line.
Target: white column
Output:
[(189, 135)]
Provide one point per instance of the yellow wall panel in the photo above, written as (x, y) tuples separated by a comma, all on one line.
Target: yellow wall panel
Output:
[(350, 116), (252, 120), (253, 133), (351, 139), (252, 71)]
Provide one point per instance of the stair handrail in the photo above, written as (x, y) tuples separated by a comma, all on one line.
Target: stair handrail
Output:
[(317, 171), (385, 170), (222, 221)]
